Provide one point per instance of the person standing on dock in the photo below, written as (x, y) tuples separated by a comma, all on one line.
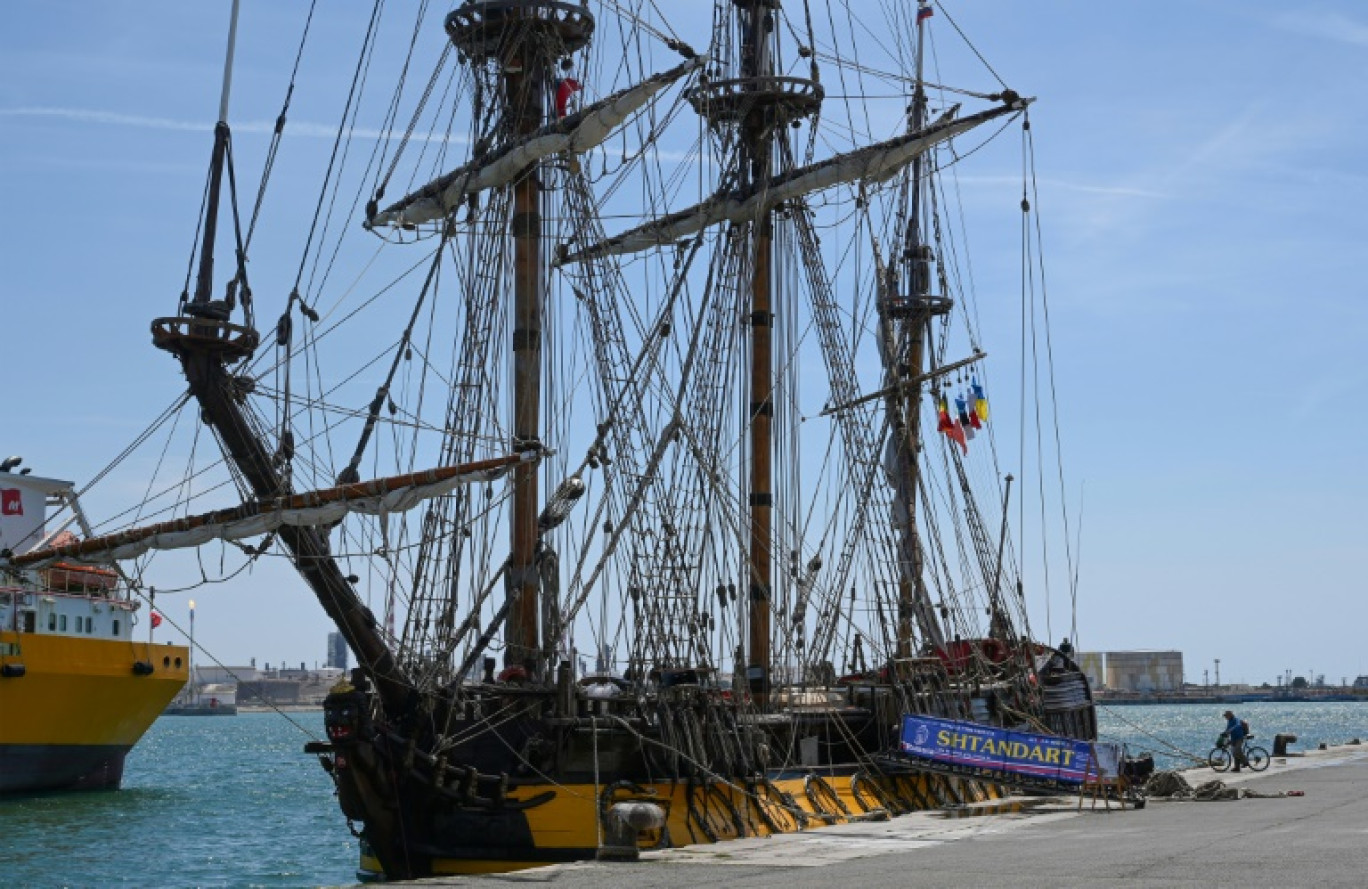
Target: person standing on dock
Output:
[(1236, 730)]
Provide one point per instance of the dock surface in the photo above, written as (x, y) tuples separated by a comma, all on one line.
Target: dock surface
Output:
[(1319, 839)]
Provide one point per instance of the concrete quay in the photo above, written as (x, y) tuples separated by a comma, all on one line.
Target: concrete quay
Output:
[(1319, 839)]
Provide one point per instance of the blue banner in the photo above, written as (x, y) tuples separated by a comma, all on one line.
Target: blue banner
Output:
[(971, 745)]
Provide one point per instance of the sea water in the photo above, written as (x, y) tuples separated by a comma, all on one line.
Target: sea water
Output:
[(232, 801), (212, 801), (1182, 735)]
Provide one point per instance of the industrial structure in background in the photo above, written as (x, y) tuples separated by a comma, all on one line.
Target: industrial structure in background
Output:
[(1134, 672), (337, 652), (1156, 677), (281, 685), (1145, 672)]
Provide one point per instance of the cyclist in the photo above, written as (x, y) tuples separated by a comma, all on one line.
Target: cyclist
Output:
[(1237, 731)]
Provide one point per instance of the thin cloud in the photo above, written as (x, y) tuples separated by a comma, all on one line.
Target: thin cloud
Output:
[(84, 115), (297, 128), (1124, 191), (1333, 26)]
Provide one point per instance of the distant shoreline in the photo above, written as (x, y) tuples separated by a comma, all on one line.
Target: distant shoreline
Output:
[(1144, 700), (278, 708)]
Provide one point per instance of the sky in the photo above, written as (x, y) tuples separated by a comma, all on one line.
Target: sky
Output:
[(1202, 194)]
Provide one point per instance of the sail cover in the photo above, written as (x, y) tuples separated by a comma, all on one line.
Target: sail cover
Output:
[(310, 509), (577, 133), (874, 162)]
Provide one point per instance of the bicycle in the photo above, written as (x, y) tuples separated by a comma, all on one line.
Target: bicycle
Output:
[(1219, 758)]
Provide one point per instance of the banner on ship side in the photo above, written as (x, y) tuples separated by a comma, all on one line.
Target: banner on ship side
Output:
[(971, 745)]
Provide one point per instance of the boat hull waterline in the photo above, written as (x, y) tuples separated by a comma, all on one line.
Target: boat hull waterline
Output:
[(77, 709)]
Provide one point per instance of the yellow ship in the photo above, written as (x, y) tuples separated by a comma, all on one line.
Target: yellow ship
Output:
[(77, 690)]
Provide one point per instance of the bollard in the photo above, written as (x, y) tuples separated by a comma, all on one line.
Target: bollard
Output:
[(624, 822), (1280, 743)]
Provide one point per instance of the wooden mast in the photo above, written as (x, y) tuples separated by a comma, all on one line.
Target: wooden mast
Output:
[(524, 81), (205, 281), (757, 137), (914, 607), (758, 103), (523, 37)]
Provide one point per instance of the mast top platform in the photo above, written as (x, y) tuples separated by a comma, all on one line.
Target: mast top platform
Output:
[(918, 308), (484, 29), (205, 332), (757, 102)]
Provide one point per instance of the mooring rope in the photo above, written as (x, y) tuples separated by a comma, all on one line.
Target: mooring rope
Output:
[(1172, 749)]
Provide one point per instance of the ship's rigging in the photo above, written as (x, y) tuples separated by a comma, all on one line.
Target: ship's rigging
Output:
[(660, 395)]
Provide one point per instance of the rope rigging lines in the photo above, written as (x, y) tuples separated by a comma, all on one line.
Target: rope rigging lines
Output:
[(406, 361)]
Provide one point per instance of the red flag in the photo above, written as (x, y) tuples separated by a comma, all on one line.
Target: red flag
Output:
[(956, 433), (565, 88), (949, 425), (943, 421), (156, 620)]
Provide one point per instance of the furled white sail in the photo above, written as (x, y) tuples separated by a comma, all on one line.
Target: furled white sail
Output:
[(310, 509), (874, 162), (576, 133)]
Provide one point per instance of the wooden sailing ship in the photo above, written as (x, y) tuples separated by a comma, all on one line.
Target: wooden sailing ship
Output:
[(691, 547)]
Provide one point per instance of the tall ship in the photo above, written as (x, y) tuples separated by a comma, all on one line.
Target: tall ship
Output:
[(77, 689), (635, 431)]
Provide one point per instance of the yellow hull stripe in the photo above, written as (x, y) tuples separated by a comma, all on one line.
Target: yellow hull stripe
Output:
[(703, 813), (83, 691)]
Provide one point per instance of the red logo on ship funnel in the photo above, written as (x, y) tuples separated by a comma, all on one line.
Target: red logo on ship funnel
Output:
[(11, 501)]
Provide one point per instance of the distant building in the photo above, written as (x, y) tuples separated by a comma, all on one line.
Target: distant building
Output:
[(268, 692), (1093, 665), (227, 674), (1142, 672), (337, 652)]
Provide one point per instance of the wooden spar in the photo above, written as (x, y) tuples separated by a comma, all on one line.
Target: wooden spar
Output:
[(304, 500), (524, 87), (577, 133), (744, 204), (902, 385)]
